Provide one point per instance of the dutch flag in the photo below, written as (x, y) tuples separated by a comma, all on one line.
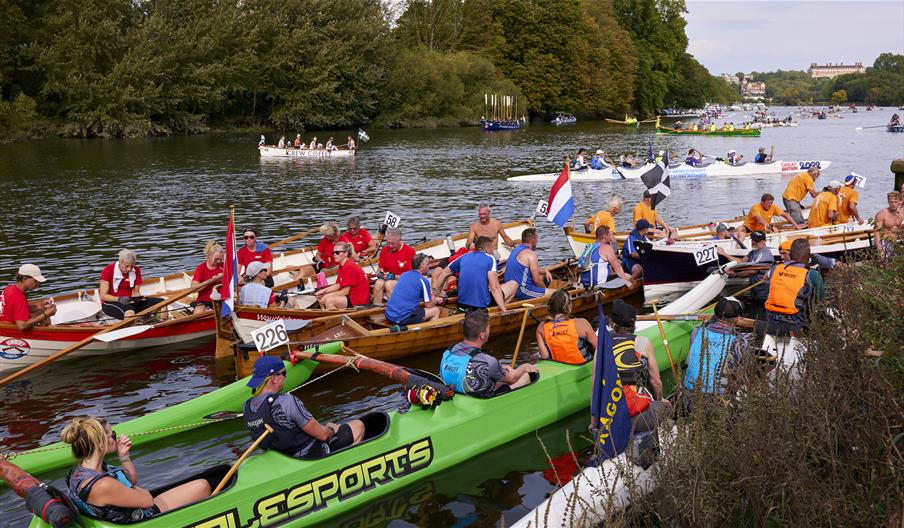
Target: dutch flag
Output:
[(230, 283), (561, 202)]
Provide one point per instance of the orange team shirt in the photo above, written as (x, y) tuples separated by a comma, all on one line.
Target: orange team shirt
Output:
[(798, 187), (641, 210), (846, 196), (752, 224), (601, 218), (825, 202)]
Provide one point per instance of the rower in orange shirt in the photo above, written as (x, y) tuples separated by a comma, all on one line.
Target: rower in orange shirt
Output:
[(825, 207), (848, 198), (759, 218), (644, 210), (796, 190), (604, 218)]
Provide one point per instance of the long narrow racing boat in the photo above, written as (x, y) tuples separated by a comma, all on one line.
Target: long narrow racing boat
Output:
[(273, 151), (681, 170), (738, 132), (399, 449)]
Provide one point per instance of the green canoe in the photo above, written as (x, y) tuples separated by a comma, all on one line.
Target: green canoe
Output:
[(749, 132), (399, 450), (167, 421)]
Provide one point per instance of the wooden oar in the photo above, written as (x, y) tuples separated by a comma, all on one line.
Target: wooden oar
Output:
[(743, 322), (875, 126), (93, 337), (665, 342), (527, 308), (241, 459), (293, 238)]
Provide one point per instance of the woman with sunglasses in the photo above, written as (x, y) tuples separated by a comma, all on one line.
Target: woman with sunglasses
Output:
[(210, 268), (111, 493), (323, 258), (255, 251), (351, 287)]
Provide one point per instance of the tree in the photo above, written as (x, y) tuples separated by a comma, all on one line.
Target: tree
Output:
[(839, 97)]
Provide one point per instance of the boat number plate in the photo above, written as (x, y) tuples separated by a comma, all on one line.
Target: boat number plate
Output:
[(392, 219), (543, 208), (705, 255), (859, 180), (270, 336)]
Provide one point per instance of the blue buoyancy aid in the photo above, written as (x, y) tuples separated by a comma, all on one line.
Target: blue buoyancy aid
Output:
[(710, 347), (78, 487), (454, 367), (595, 269)]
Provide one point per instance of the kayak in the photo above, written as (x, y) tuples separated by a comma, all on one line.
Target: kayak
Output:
[(399, 449), (169, 420), (682, 170), (272, 151), (749, 132)]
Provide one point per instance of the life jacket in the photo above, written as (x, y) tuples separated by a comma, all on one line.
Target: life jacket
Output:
[(79, 482), (564, 345), (454, 367), (632, 370), (710, 346), (584, 260), (286, 440), (785, 285)]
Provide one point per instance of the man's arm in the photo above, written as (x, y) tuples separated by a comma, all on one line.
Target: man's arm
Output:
[(496, 290), (505, 238), (788, 218), (535, 271), (615, 264), (472, 235), (440, 279), (813, 192), (856, 214)]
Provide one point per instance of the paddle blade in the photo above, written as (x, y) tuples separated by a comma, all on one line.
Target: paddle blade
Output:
[(122, 333)]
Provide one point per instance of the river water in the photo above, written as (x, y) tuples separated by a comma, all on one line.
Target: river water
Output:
[(70, 205)]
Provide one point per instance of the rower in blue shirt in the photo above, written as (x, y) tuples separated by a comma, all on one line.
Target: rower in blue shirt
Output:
[(692, 159), (598, 162), (524, 279), (478, 283), (413, 288), (761, 156), (631, 252)]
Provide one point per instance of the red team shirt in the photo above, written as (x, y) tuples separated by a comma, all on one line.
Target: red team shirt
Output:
[(325, 247), (396, 262), (245, 257), (350, 274), (125, 289), (203, 273), (358, 242), (14, 305)]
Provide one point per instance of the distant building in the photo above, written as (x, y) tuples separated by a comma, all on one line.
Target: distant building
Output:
[(731, 79), (754, 89), (834, 70)]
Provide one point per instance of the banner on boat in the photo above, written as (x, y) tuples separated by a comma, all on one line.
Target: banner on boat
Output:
[(561, 201), (608, 408)]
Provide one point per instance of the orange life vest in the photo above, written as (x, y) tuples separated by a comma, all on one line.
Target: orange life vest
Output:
[(562, 340), (784, 286)]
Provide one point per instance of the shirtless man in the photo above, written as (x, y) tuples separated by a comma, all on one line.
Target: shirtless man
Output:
[(889, 225), (524, 279), (489, 227)]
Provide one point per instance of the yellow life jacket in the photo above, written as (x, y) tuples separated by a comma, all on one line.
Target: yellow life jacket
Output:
[(784, 287)]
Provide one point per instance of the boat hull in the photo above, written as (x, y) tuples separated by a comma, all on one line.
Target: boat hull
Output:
[(750, 132), (495, 126), (683, 171), (895, 128), (269, 151)]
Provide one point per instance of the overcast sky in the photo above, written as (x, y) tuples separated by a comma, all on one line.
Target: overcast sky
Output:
[(729, 36)]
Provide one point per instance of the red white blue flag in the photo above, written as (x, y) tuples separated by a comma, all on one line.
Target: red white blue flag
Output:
[(230, 284), (561, 202)]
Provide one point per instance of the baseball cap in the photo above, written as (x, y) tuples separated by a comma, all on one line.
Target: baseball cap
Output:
[(623, 313), (851, 178), (721, 228), (643, 224), (254, 268), (599, 151), (729, 307), (30, 270), (758, 236), (263, 367), (785, 246), (834, 184)]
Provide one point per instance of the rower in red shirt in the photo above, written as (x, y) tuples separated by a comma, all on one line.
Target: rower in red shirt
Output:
[(255, 251), (365, 246), (351, 287), (324, 256), (395, 259), (120, 288), (14, 306), (210, 268)]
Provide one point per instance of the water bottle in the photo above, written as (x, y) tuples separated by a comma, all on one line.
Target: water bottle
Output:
[(450, 243)]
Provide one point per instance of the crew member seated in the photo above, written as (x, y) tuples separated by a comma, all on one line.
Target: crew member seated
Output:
[(565, 339), (472, 371)]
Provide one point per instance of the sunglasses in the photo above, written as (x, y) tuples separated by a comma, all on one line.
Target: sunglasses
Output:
[(246, 237), (113, 435), (338, 252)]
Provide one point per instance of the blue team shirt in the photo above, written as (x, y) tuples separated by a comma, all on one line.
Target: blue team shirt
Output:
[(411, 289), (631, 247), (473, 282)]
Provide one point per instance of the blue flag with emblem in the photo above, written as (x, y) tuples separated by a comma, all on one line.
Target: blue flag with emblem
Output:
[(611, 421)]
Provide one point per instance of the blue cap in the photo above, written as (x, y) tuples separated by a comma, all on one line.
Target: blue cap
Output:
[(263, 367), (643, 224)]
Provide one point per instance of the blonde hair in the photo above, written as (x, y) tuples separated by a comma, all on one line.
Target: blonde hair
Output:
[(344, 246), (329, 229), (86, 436), (212, 248)]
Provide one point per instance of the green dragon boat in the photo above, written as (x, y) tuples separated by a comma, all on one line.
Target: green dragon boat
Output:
[(399, 449), (739, 132), (226, 402)]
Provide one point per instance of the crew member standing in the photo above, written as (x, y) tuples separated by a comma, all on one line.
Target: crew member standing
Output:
[(797, 188)]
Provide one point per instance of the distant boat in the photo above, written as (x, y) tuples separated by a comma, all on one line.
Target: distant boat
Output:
[(563, 119), (502, 111), (895, 128), (627, 121), (493, 126), (742, 132), (272, 151)]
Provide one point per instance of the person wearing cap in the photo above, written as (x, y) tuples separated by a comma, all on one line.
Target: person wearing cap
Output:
[(524, 279), (360, 239), (630, 258), (760, 254), (120, 288), (254, 291), (394, 260), (825, 263), (598, 162), (825, 207), (848, 198), (412, 289), (14, 305), (351, 287), (605, 217), (717, 350), (761, 156), (478, 283), (254, 251), (784, 251), (644, 210), (296, 433), (722, 232), (636, 364), (792, 289), (759, 218), (599, 264), (796, 190), (734, 158)]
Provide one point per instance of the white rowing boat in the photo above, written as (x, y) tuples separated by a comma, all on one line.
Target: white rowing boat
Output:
[(272, 151), (682, 170)]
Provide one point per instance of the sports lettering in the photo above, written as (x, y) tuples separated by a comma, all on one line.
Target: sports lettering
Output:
[(14, 348), (339, 485), (606, 419)]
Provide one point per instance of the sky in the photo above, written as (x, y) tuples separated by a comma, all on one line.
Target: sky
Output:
[(728, 36)]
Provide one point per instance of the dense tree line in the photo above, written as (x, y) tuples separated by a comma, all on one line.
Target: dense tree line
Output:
[(135, 67), (882, 84)]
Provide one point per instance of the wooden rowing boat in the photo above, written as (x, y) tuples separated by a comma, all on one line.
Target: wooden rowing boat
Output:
[(713, 169), (749, 132), (272, 151)]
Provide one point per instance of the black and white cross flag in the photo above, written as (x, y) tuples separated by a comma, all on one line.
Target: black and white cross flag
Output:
[(657, 181)]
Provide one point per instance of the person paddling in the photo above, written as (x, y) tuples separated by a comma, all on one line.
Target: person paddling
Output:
[(296, 433), (14, 305), (565, 339), (761, 156), (759, 218), (472, 371)]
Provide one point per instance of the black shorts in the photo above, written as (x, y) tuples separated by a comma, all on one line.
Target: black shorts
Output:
[(417, 316), (208, 304), (117, 310), (340, 439), (466, 309)]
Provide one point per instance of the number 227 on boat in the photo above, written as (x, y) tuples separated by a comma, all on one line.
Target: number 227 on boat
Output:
[(341, 484)]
